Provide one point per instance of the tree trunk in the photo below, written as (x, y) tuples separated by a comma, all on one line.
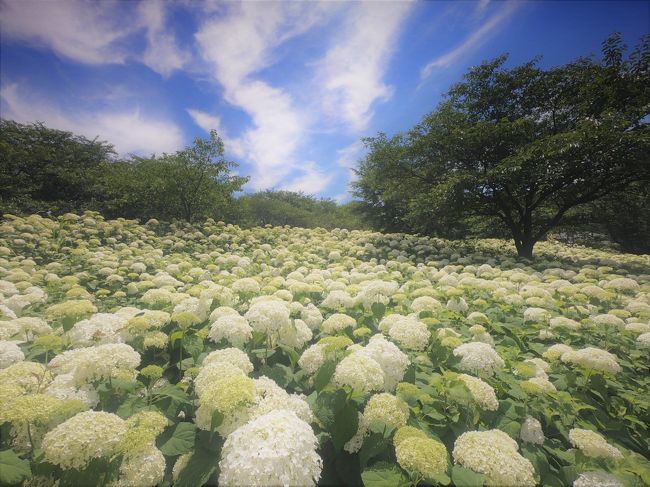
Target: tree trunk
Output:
[(525, 248)]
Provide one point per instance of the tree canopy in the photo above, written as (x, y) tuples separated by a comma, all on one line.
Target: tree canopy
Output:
[(519, 146), (43, 169)]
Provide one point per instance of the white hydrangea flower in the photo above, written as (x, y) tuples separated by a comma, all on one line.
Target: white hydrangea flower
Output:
[(99, 329), (312, 359), (479, 358), (295, 334), (496, 455), (644, 340), (10, 353), (360, 372), (284, 449), (482, 392), (390, 358), (95, 363), (593, 444), (82, 438), (232, 356), (143, 469), (531, 431), (410, 333), (593, 358), (597, 479), (267, 316), (607, 320), (563, 322), (232, 328), (540, 315), (425, 303), (337, 322)]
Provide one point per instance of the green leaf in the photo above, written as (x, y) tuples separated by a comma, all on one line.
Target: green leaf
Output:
[(324, 375), (13, 469), (383, 475), (181, 440), (378, 310), (175, 336), (464, 477), (217, 419), (199, 469), (327, 404), (346, 423), (132, 405), (173, 392), (373, 445), (439, 479)]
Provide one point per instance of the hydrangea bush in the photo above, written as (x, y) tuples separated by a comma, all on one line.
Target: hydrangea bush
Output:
[(175, 354)]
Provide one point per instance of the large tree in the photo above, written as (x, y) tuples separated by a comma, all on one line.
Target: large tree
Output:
[(521, 146)]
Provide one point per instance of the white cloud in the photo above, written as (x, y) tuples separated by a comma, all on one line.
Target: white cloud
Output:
[(473, 41), (129, 131), (83, 31), (312, 181), (206, 121), (237, 45), (354, 66), (349, 156), (162, 54)]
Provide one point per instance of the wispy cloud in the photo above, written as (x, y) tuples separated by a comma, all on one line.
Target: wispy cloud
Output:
[(353, 68), (237, 45), (473, 42), (130, 131), (86, 32), (162, 53), (312, 181)]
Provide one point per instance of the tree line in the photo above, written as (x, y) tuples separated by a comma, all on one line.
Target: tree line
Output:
[(49, 171)]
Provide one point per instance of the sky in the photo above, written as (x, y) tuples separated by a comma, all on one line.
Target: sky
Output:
[(292, 88)]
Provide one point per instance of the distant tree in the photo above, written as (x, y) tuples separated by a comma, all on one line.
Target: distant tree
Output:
[(279, 207), (195, 182), (521, 146), (43, 169)]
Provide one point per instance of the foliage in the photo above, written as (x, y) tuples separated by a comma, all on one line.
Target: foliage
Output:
[(521, 145), (295, 209), (192, 183), (141, 354), (47, 170)]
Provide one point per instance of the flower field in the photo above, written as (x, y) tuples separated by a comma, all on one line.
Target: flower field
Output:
[(156, 354)]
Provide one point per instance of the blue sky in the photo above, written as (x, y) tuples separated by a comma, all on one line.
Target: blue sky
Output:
[(291, 87)]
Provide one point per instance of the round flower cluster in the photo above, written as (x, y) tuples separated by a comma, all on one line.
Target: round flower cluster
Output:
[(410, 333), (482, 392), (312, 358), (597, 479), (337, 322), (496, 455), (232, 356), (95, 363), (422, 456), (82, 438), (10, 353), (232, 328), (531, 431), (593, 444), (594, 359), (479, 358), (387, 409), (360, 372), (267, 316), (277, 448), (391, 359)]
